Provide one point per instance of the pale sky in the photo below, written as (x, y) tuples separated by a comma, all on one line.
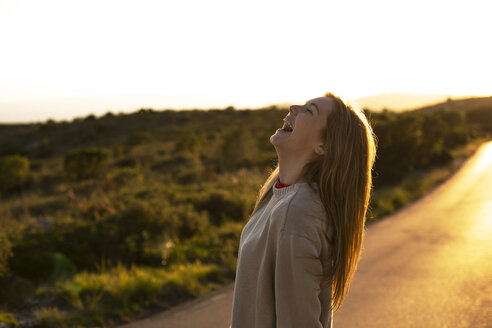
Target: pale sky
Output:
[(62, 59)]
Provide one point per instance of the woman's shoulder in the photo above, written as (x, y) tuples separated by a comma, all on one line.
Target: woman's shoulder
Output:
[(305, 214), (308, 201)]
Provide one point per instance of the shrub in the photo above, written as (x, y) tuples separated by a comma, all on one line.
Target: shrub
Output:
[(412, 141), (185, 167), (130, 235), (187, 142), (85, 163), (14, 173), (222, 206), (9, 320), (217, 246), (189, 221)]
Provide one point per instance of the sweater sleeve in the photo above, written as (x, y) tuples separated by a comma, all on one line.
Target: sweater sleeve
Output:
[(297, 287)]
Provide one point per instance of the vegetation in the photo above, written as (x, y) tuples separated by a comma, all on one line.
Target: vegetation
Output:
[(14, 173), (105, 219), (8, 320)]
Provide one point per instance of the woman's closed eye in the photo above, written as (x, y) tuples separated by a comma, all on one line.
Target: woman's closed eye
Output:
[(307, 106)]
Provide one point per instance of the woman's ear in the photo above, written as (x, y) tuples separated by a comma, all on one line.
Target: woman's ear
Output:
[(320, 149)]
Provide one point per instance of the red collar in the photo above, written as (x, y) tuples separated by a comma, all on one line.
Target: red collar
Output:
[(280, 184)]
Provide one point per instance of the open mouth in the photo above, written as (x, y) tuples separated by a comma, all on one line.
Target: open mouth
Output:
[(287, 126)]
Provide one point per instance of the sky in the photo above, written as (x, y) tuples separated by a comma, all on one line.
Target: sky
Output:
[(62, 59)]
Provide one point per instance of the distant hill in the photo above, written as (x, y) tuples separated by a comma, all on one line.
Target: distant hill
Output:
[(402, 101), (461, 104), (398, 101)]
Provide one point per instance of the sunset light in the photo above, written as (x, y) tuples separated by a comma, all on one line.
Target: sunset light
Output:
[(61, 59), (245, 164)]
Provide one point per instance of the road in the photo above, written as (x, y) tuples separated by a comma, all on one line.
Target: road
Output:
[(428, 265)]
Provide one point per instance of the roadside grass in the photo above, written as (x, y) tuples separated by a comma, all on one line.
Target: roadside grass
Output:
[(121, 294), (50, 316)]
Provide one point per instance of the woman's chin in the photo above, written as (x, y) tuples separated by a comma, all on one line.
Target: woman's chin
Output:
[(279, 137)]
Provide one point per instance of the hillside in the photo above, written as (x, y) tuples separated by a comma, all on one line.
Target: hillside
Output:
[(398, 101), (127, 130), (464, 105), (406, 101)]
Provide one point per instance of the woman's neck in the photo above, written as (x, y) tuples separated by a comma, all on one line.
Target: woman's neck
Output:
[(290, 171)]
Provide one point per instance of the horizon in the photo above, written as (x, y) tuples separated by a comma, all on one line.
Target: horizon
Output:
[(69, 60), (280, 105)]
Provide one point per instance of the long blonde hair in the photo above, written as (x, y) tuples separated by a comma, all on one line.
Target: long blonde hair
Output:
[(344, 177)]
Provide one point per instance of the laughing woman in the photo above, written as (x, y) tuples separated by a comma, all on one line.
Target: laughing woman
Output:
[(300, 248)]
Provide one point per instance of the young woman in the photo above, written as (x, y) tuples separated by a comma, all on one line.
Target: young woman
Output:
[(300, 248)]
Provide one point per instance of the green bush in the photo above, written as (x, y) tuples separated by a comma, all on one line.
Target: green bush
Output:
[(187, 142), (9, 320), (223, 206), (216, 246), (131, 236), (411, 141), (85, 163), (14, 173), (185, 167), (190, 222)]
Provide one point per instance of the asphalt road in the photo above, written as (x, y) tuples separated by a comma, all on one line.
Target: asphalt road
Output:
[(428, 265)]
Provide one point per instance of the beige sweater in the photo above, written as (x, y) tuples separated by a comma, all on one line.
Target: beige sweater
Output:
[(275, 284)]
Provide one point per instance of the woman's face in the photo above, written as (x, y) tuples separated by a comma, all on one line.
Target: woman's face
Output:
[(308, 120)]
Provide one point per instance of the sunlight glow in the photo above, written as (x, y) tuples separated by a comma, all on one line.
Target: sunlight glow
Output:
[(64, 58)]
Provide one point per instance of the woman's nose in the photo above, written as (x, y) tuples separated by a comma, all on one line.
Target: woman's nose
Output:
[(293, 109)]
